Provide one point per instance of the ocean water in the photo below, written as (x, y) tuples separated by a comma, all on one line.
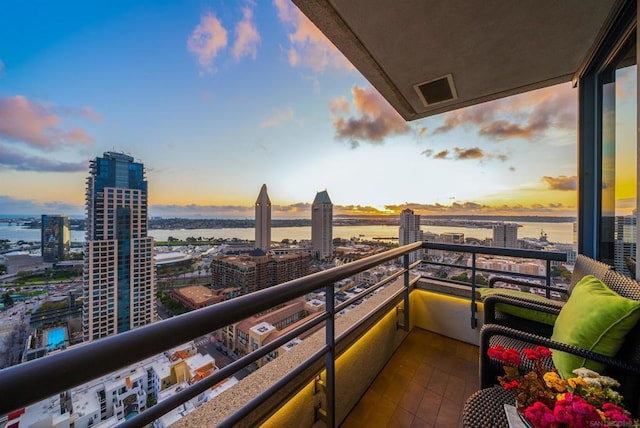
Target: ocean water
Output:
[(556, 232)]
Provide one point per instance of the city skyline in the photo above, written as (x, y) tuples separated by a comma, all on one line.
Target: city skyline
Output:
[(243, 94)]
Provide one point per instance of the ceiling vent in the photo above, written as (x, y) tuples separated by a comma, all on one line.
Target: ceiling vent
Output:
[(436, 91)]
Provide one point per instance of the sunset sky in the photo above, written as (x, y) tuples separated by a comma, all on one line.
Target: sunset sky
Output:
[(218, 97)]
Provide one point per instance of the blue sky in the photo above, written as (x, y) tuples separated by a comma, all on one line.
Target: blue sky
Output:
[(217, 98)]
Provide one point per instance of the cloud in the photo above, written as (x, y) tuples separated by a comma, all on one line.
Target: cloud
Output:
[(279, 117), (473, 153), (1, 68), (460, 153), (308, 46), (303, 210), (339, 105), (474, 208), (562, 182), (296, 210), (206, 40), (247, 37), (37, 125), (376, 120), (524, 116), (84, 112), (16, 206), (13, 159)]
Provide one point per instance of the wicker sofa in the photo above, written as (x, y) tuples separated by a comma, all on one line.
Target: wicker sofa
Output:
[(512, 332), (496, 306)]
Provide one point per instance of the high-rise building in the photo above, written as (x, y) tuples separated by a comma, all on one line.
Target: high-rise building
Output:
[(322, 225), (119, 273), (263, 220), (55, 237), (410, 232), (247, 273), (505, 235), (625, 243)]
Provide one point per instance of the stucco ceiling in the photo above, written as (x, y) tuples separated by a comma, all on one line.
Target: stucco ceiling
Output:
[(491, 48)]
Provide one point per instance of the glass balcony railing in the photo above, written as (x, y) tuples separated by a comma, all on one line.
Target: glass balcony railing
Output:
[(352, 350)]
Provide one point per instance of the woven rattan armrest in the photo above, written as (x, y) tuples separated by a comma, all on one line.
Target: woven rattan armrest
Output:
[(552, 307)]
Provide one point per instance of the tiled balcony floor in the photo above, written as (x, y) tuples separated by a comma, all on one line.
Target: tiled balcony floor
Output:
[(424, 384)]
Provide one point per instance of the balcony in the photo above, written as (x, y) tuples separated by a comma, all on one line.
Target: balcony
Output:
[(407, 353)]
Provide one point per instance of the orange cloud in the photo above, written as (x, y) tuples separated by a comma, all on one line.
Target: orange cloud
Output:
[(36, 124), (308, 46), (279, 117), (442, 155), (339, 105), (247, 37), (473, 153), (562, 182), (524, 116), (376, 120), (206, 40), (474, 208)]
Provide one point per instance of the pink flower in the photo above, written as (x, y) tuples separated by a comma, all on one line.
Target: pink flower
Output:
[(616, 414), (540, 416), (574, 411)]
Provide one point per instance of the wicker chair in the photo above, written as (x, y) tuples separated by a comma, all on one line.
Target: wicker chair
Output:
[(492, 315), (625, 366)]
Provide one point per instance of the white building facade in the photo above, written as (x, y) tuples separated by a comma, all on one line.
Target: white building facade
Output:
[(322, 226), (263, 220)]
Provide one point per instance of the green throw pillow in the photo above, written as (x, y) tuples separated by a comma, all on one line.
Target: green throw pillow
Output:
[(518, 311), (594, 318)]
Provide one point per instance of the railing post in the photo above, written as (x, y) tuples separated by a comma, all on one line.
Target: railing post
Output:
[(474, 321), (329, 358), (548, 291), (406, 292)]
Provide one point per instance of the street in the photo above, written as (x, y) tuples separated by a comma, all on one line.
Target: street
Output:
[(204, 346)]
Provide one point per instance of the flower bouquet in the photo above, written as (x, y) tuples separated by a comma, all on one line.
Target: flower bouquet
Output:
[(547, 400)]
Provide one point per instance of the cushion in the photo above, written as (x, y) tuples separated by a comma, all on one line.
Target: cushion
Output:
[(594, 318), (518, 311)]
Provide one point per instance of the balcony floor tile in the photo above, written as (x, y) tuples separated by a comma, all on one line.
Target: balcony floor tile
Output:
[(424, 384)]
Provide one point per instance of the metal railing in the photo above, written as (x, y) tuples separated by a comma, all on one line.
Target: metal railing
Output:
[(39, 379), (474, 251)]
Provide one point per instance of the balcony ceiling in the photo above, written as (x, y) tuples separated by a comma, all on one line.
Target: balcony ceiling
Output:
[(491, 48)]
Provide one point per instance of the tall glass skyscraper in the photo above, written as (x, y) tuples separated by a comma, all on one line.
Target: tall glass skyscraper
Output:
[(55, 238), (119, 273)]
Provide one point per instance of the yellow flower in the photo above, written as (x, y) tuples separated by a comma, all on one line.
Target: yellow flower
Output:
[(554, 381), (574, 382), (602, 415), (560, 397)]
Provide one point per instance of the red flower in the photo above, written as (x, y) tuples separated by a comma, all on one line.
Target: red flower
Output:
[(496, 352), (538, 353), (511, 385), (511, 357)]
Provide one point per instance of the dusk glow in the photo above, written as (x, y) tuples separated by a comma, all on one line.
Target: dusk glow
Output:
[(218, 98)]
